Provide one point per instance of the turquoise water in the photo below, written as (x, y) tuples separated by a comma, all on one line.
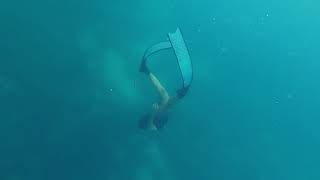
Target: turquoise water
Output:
[(71, 94)]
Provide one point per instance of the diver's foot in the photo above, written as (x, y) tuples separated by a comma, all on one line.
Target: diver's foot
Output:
[(144, 68), (182, 92)]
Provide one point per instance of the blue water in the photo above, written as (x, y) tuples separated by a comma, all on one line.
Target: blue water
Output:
[(71, 94)]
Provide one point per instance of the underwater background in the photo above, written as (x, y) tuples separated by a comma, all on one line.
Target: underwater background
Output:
[(71, 95)]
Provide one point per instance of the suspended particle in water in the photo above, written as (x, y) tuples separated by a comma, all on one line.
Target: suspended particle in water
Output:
[(290, 96), (262, 20), (276, 100), (214, 20), (224, 49)]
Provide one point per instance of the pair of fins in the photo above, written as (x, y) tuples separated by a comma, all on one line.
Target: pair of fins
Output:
[(177, 43)]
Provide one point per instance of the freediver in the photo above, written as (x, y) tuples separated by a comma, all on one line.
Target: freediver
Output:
[(158, 117)]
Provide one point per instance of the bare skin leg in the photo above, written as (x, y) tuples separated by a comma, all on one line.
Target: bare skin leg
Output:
[(162, 91)]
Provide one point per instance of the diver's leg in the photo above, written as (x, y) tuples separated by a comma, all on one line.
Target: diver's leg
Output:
[(162, 91)]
